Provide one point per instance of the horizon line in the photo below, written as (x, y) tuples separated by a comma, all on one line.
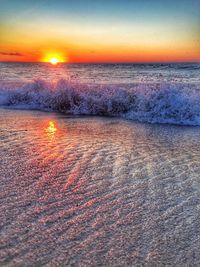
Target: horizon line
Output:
[(108, 62)]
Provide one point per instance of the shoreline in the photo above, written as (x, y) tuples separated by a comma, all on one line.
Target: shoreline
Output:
[(79, 116)]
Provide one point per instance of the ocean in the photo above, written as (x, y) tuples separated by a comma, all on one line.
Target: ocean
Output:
[(155, 93), (99, 165)]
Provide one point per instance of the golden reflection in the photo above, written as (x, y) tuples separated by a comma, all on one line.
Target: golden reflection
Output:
[(51, 129)]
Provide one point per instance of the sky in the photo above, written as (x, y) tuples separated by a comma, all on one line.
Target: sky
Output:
[(100, 30)]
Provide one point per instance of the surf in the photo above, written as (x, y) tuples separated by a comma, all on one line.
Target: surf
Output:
[(153, 103)]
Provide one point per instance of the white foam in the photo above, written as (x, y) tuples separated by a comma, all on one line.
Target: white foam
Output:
[(155, 103)]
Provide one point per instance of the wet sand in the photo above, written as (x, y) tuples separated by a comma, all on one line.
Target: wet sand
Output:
[(92, 191)]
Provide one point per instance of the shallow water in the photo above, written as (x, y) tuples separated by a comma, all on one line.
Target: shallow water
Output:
[(95, 191)]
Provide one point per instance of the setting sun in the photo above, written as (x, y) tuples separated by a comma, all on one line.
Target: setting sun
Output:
[(53, 58), (54, 61)]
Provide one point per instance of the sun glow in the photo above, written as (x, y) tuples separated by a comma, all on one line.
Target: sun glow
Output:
[(54, 60)]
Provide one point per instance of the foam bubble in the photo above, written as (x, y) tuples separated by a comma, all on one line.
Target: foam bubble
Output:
[(154, 103)]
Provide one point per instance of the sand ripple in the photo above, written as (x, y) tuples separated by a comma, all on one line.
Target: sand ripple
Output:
[(97, 192)]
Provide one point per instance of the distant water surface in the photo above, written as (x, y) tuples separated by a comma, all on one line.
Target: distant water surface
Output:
[(102, 73)]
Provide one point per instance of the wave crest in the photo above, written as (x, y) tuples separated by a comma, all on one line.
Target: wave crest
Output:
[(155, 103)]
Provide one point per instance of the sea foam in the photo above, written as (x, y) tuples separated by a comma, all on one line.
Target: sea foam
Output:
[(154, 103)]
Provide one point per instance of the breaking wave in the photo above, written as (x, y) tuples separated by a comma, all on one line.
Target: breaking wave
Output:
[(154, 103)]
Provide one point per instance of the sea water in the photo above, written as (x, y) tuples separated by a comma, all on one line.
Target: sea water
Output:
[(155, 93)]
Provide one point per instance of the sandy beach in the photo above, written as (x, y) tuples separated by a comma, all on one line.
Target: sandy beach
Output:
[(100, 133), (93, 191)]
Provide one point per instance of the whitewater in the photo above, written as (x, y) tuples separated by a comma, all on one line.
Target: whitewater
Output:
[(154, 93)]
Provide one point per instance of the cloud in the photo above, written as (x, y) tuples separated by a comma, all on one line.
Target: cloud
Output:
[(11, 54)]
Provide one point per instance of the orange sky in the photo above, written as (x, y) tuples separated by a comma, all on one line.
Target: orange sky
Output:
[(37, 35)]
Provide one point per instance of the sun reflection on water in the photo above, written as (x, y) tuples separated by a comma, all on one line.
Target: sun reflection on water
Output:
[(51, 129)]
